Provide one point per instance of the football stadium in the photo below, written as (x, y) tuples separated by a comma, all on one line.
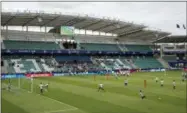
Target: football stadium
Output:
[(82, 64)]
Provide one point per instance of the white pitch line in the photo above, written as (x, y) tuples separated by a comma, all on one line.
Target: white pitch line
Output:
[(62, 110), (53, 100), (59, 102)]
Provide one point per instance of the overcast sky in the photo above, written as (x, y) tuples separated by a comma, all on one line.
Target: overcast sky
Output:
[(156, 15)]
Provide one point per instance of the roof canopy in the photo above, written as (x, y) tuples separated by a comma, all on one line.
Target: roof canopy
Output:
[(122, 29), (173, 39)]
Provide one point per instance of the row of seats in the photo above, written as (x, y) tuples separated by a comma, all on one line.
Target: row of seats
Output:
[(144, 48), (169, 58), (72, 58), (12, 44), (99, 47), (9, 44), (147, 62)]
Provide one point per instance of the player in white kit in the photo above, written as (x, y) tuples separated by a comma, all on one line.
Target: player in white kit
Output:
[(174, 84), (41, 88), (156, 79), (100, 87), (46, 86)]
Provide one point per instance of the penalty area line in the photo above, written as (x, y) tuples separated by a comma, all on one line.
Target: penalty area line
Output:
[(64, 110), (59, 102), (50, 99)]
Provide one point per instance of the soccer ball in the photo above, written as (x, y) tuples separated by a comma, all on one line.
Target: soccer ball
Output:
[(159, 98)]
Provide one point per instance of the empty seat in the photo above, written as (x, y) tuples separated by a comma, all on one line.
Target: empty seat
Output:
[(10, 44)]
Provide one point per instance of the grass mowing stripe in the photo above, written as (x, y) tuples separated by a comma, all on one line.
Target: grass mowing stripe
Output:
[(34, 103), (129, 91), (60, 111), (9, 107), (88, 104), (117, 99)]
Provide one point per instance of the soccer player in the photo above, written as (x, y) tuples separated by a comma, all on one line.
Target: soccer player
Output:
[(100, 87), (41, 88), (156, 79), (142, 95), (9, 86), (116, 76), (183, 78), (174, 84), (126, 82), (162, 83), (46, 86)]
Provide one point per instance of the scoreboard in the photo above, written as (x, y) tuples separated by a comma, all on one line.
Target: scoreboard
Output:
[(67, 30)]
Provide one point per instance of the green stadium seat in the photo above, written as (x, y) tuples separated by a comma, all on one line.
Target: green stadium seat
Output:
[(10, 44), (139, 48), (99, 47), (147, 62)]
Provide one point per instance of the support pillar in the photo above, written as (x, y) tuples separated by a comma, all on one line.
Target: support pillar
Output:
[(27, 29), (45, 33), (6, 32)]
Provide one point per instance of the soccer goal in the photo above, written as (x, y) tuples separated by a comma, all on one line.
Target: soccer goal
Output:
[(15, 84)]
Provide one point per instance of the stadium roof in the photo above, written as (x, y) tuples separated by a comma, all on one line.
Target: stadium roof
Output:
[(122, 29), (173, 39)]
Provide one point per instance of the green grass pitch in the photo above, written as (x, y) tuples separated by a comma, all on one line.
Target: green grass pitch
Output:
[(78, 94)]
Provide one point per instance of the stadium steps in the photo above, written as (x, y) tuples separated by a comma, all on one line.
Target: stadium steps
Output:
[(78, 45), (5, 66), (121, 48), (163, 62), (123, 64), (54, 61), (131, 64), (3, 69), (61, 46), (124, 48), (93, 60), (2, 46)]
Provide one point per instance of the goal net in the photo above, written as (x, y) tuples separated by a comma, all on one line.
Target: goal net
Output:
[(16, 84)]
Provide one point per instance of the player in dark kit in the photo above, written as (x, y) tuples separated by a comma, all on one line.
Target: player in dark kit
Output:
[(156, 79), (162, 83), (126, 82), (9, 86)]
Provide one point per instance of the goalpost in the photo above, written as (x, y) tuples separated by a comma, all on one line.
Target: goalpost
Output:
[(19, 83), (27, 84)]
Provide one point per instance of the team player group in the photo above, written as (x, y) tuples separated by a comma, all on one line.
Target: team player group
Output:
[(101, 86), (43, 87)]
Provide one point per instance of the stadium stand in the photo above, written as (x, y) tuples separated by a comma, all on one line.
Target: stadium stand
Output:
[(121, 50)]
